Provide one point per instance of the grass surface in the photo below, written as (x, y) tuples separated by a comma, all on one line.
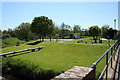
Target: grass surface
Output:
[(10, 42), (89, 41), (60, 57)]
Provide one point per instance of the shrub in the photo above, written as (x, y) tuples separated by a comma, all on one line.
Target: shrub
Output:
[(25, 70)]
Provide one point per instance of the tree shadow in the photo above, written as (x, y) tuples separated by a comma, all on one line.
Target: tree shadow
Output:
[(35, 43)]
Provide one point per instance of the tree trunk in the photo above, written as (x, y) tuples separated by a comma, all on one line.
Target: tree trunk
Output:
[(50, 38), (42, 38), (95, 39), (56, 39)]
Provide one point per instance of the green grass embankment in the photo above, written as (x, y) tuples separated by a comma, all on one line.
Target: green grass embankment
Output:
[(10, 42), (59, 57)]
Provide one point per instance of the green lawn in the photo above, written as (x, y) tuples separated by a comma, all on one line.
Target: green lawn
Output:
[(10, 42), (60, 57), (89, 41)]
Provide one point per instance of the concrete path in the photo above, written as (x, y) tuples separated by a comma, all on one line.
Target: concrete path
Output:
[(114, 70), (117, 74)]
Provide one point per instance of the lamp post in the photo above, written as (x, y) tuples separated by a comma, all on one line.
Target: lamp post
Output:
[(114, 28), (114, 23)]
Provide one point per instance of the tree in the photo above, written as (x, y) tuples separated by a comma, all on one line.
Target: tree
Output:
[(5, 31), (65, 30), (57, 36), (62, 29), (11, 33), (118, 35), (56, 30), (84, 32), (67, 27), (112, 33), (104, 31), (76, 29), (42, 26), (50, 31), (23, 30), (0, 34), (5, 34), (77, 35), (94, 31)]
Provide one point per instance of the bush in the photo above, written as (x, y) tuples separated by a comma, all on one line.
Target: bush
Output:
[(5, 36), (25, 70)]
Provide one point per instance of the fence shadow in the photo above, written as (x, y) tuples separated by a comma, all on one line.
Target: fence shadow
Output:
[(17, 54)]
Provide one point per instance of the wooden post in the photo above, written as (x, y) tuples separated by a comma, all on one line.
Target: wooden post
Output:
[(33, 50)]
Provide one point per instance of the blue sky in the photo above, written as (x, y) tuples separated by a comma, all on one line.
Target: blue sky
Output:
[(84, 14), (119, 15)]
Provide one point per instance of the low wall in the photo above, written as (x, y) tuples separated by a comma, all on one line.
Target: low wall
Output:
[(76, 73)]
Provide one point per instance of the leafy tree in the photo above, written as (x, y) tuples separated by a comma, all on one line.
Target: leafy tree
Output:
[(42, 26), (12, 33), (0, 34), (62, 29), (5, 31), (86, 33), (22, 31), (5, 34), (112, 33), (67, 27), (76, 29), (56, 30), (118, 35), (104, 31), (50, 31), (94, 31), (76, 35), (57, 36), (65, 30)]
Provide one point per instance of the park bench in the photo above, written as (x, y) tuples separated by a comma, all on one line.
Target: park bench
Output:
[(32, 50)]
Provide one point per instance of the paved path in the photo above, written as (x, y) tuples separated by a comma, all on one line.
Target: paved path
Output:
[(60, 39), (114, 71), (117, 75)]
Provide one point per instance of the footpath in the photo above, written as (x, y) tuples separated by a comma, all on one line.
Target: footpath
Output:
[(114, 70)]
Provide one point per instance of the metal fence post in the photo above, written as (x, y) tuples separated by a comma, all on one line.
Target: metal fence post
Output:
[(111, 56), (114, 52), (107, 65), (94, 68)]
